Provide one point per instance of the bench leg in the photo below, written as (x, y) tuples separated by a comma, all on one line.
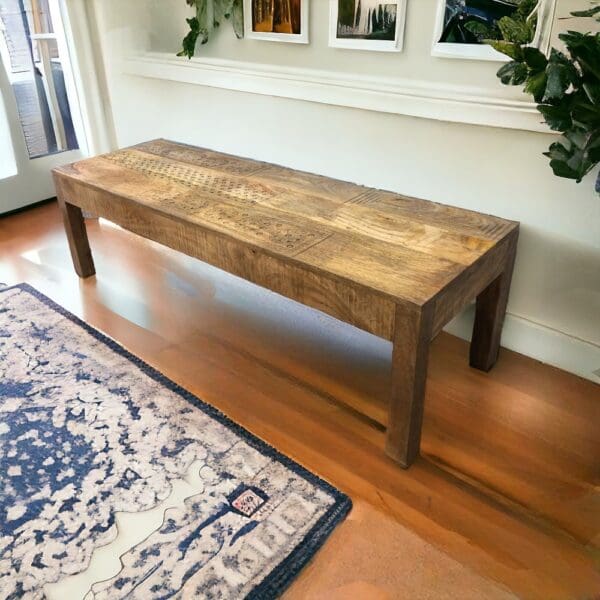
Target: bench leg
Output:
[(489, 317), (78, 239), (412, 336)]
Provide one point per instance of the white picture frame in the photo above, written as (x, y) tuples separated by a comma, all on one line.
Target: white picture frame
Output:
[(395, 45), (484, 51), (272, 36)]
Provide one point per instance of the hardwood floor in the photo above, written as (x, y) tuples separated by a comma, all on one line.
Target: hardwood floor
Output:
[(508, 485)]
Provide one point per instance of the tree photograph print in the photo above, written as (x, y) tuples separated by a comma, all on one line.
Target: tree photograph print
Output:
[(277, 16), (367, 24), (366, 19)]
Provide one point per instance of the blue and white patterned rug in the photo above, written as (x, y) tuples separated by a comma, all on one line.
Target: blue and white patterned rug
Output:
[(88, 430)]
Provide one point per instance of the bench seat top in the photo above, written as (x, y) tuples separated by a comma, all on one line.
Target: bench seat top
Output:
[(404, 248)]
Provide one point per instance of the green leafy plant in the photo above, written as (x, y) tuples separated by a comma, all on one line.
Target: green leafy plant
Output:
[(209, 15), (516, 25), (565, 86)]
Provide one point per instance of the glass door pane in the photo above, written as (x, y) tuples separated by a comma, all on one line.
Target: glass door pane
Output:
[(30, 53)]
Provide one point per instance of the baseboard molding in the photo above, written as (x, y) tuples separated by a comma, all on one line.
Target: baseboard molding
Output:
[(541, 343), (21, 209), (426, 99)]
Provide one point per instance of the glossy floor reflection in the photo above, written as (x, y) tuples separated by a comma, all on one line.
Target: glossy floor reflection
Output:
[(506, 494)]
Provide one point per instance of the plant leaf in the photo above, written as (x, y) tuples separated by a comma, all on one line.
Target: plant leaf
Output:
[(560, 154), (515, 30), (558, 151), (575, 154), (480, 30), (534, 58), (584, 114), (536, 85), (237, 18), (590, 12), (561, 75), (202, 16), (189, 41), (513, 50), (558, 118), (209, 15), (525, 8), (592, 148), (566, 87), (577, 138), (592, 91), (226, 7), (562, 169), (584, 49), (513, 73)]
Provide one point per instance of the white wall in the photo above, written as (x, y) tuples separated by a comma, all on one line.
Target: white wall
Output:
[(554, 309)]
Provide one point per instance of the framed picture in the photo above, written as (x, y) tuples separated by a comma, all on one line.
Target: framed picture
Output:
[(453, 39), (276, 20), (367, 24)]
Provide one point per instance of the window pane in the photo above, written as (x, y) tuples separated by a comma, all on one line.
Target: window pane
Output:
[(36, 73)]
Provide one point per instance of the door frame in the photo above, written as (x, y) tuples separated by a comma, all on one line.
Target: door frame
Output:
[(89, 75), (85, 82)]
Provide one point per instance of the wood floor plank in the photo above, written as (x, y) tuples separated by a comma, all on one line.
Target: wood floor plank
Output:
[(508, 485)]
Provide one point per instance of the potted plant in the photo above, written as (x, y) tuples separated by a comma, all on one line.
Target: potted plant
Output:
[(209, 15), (565, 85)]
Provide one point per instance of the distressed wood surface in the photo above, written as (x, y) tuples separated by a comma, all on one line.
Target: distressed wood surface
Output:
[(404, 248), (362, 255), (409, 375), (489, 317), (78, 239)]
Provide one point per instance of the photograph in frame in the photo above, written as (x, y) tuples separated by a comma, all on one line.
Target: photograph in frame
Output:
[(454, 39), (367, 24), (276, 20)]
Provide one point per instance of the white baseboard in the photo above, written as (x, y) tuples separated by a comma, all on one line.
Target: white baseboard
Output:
[(540, 342)]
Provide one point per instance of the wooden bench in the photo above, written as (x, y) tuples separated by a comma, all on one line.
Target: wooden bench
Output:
[(397, 267)]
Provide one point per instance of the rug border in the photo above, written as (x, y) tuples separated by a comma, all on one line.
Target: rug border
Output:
[(279, 579)]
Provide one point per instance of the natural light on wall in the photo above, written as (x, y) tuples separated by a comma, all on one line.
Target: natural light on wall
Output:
[(8, 165)]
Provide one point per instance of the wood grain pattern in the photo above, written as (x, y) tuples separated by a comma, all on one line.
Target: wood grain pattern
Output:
[(352, 304), (474, 279), (412, 329), (489, 317), (76, 235), (361, 255), (507, 487)]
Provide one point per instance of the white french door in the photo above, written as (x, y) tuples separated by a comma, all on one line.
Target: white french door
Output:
[(40, 118)]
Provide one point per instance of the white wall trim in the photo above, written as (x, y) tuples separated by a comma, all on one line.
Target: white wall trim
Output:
[(540, 342), (444, 102), (81, 31)]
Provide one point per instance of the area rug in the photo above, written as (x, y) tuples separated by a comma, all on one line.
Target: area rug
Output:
[(88, 430)]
